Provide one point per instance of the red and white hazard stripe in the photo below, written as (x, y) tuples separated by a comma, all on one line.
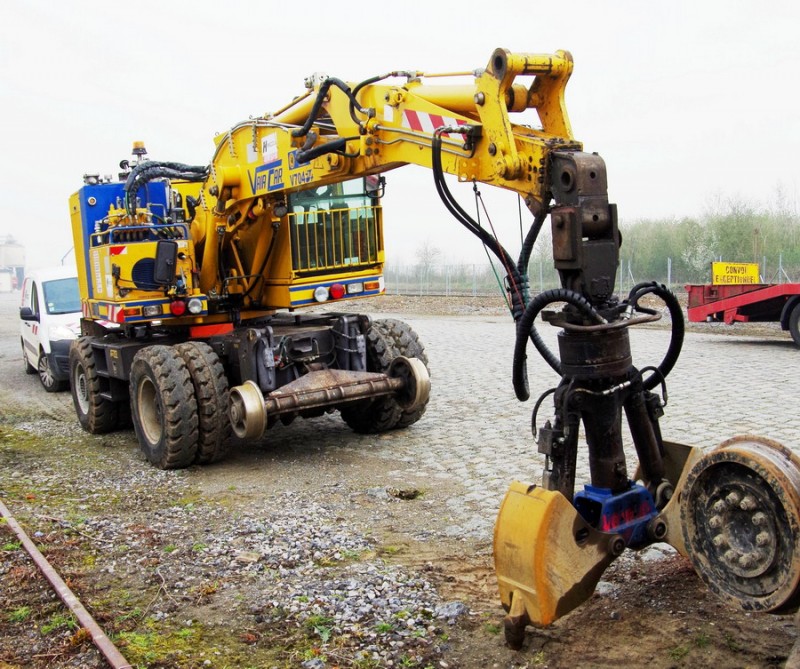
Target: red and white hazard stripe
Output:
[(424, 122)]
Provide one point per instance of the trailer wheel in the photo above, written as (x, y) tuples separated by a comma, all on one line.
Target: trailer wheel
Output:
[(386, 339), (212, 396), (794, 324), (96, 414), (163, 407)]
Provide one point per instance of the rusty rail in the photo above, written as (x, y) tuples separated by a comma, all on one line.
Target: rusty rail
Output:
[(103, 643)]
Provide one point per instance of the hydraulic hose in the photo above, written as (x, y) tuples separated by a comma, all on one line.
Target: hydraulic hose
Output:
[(526, 330), (677, 332), (321, 95), (514, 278)]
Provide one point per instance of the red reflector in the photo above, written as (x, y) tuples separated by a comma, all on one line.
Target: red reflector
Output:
[(337, 291), (203, 331), (177, 308)]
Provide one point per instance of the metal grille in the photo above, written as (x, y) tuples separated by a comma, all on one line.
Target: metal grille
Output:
[(335, 239)]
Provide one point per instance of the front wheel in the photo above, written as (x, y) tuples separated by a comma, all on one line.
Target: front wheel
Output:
[(386, 340), (46, 375), (163, 407)]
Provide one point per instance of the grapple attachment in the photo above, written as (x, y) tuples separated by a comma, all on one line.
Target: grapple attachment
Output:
[(548, 559)]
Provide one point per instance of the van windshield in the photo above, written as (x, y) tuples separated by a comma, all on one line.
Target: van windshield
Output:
[(61, 296)]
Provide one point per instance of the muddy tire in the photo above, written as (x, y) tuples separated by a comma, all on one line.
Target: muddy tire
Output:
[(96, 414), (211, 393), (29, 368), (46, 375), (386, 339), (794, 324), (163, 407)]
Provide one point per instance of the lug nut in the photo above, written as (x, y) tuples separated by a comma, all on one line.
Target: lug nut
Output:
[(731, 556), (715, 522), (719, 541), (733, 498), (760, 518), (719, 506), (763, 539), (747, 560), (748, 503)]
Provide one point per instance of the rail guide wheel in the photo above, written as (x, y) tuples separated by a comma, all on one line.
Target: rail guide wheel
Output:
[(740, 516)]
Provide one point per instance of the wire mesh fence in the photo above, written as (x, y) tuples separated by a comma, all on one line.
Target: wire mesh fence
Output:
[(484, 280)]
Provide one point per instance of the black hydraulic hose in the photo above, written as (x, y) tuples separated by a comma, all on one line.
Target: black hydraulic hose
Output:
[(150, 170), (530, 240), (321, 95), (316, 151), (526, 330), (515, 281), (677, 332)]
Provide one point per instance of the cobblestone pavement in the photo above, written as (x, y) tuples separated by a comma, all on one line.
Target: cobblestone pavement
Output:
[(476, 438)]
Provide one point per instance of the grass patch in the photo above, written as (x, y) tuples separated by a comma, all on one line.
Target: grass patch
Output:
[(19, 615)]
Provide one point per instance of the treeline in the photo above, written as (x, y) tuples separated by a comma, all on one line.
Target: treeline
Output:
[(729, 230)]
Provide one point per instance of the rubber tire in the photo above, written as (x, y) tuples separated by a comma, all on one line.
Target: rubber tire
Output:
[(212, 396), (29, 368), (96, 414), (49, 382), (163, 407), (794, 324), (386, 339)]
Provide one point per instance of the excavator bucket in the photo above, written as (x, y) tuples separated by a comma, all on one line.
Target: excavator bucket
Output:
[(548, 559)]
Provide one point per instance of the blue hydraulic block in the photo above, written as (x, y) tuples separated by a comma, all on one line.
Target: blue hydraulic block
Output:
[(627, 513)]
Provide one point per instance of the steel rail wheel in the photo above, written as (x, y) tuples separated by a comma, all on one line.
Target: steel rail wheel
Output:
[(740, 516)]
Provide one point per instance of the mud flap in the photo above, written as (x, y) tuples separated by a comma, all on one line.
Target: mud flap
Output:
[(548, 560)]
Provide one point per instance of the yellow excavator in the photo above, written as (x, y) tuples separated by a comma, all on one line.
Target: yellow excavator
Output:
[(193, 280)]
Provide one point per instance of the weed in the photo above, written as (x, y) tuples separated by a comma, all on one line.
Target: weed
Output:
[(170, 548), (383, 628), (199, 547), (492, 628), (702, 639), (679, 652), (731, 643), (57, 621), (19, 615), (538, 659), (12, 546)]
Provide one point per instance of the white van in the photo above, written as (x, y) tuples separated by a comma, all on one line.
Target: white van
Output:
[(50, 315)]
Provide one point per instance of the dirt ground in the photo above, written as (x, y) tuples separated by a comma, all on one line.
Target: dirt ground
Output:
[(74, 493)]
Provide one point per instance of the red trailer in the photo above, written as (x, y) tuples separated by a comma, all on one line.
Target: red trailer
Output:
[(754, 303)]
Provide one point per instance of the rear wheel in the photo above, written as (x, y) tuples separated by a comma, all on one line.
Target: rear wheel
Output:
[(46, 375), (794, 324), (212, 396), (163, 407), (96, 414), (386, 339), (29, 368)]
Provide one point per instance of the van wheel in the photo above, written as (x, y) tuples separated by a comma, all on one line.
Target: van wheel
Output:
[(163, 407), (29, 368), (96, 414), (46, 376)]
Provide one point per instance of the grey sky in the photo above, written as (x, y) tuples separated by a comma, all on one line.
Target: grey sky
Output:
[(685, 100)]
